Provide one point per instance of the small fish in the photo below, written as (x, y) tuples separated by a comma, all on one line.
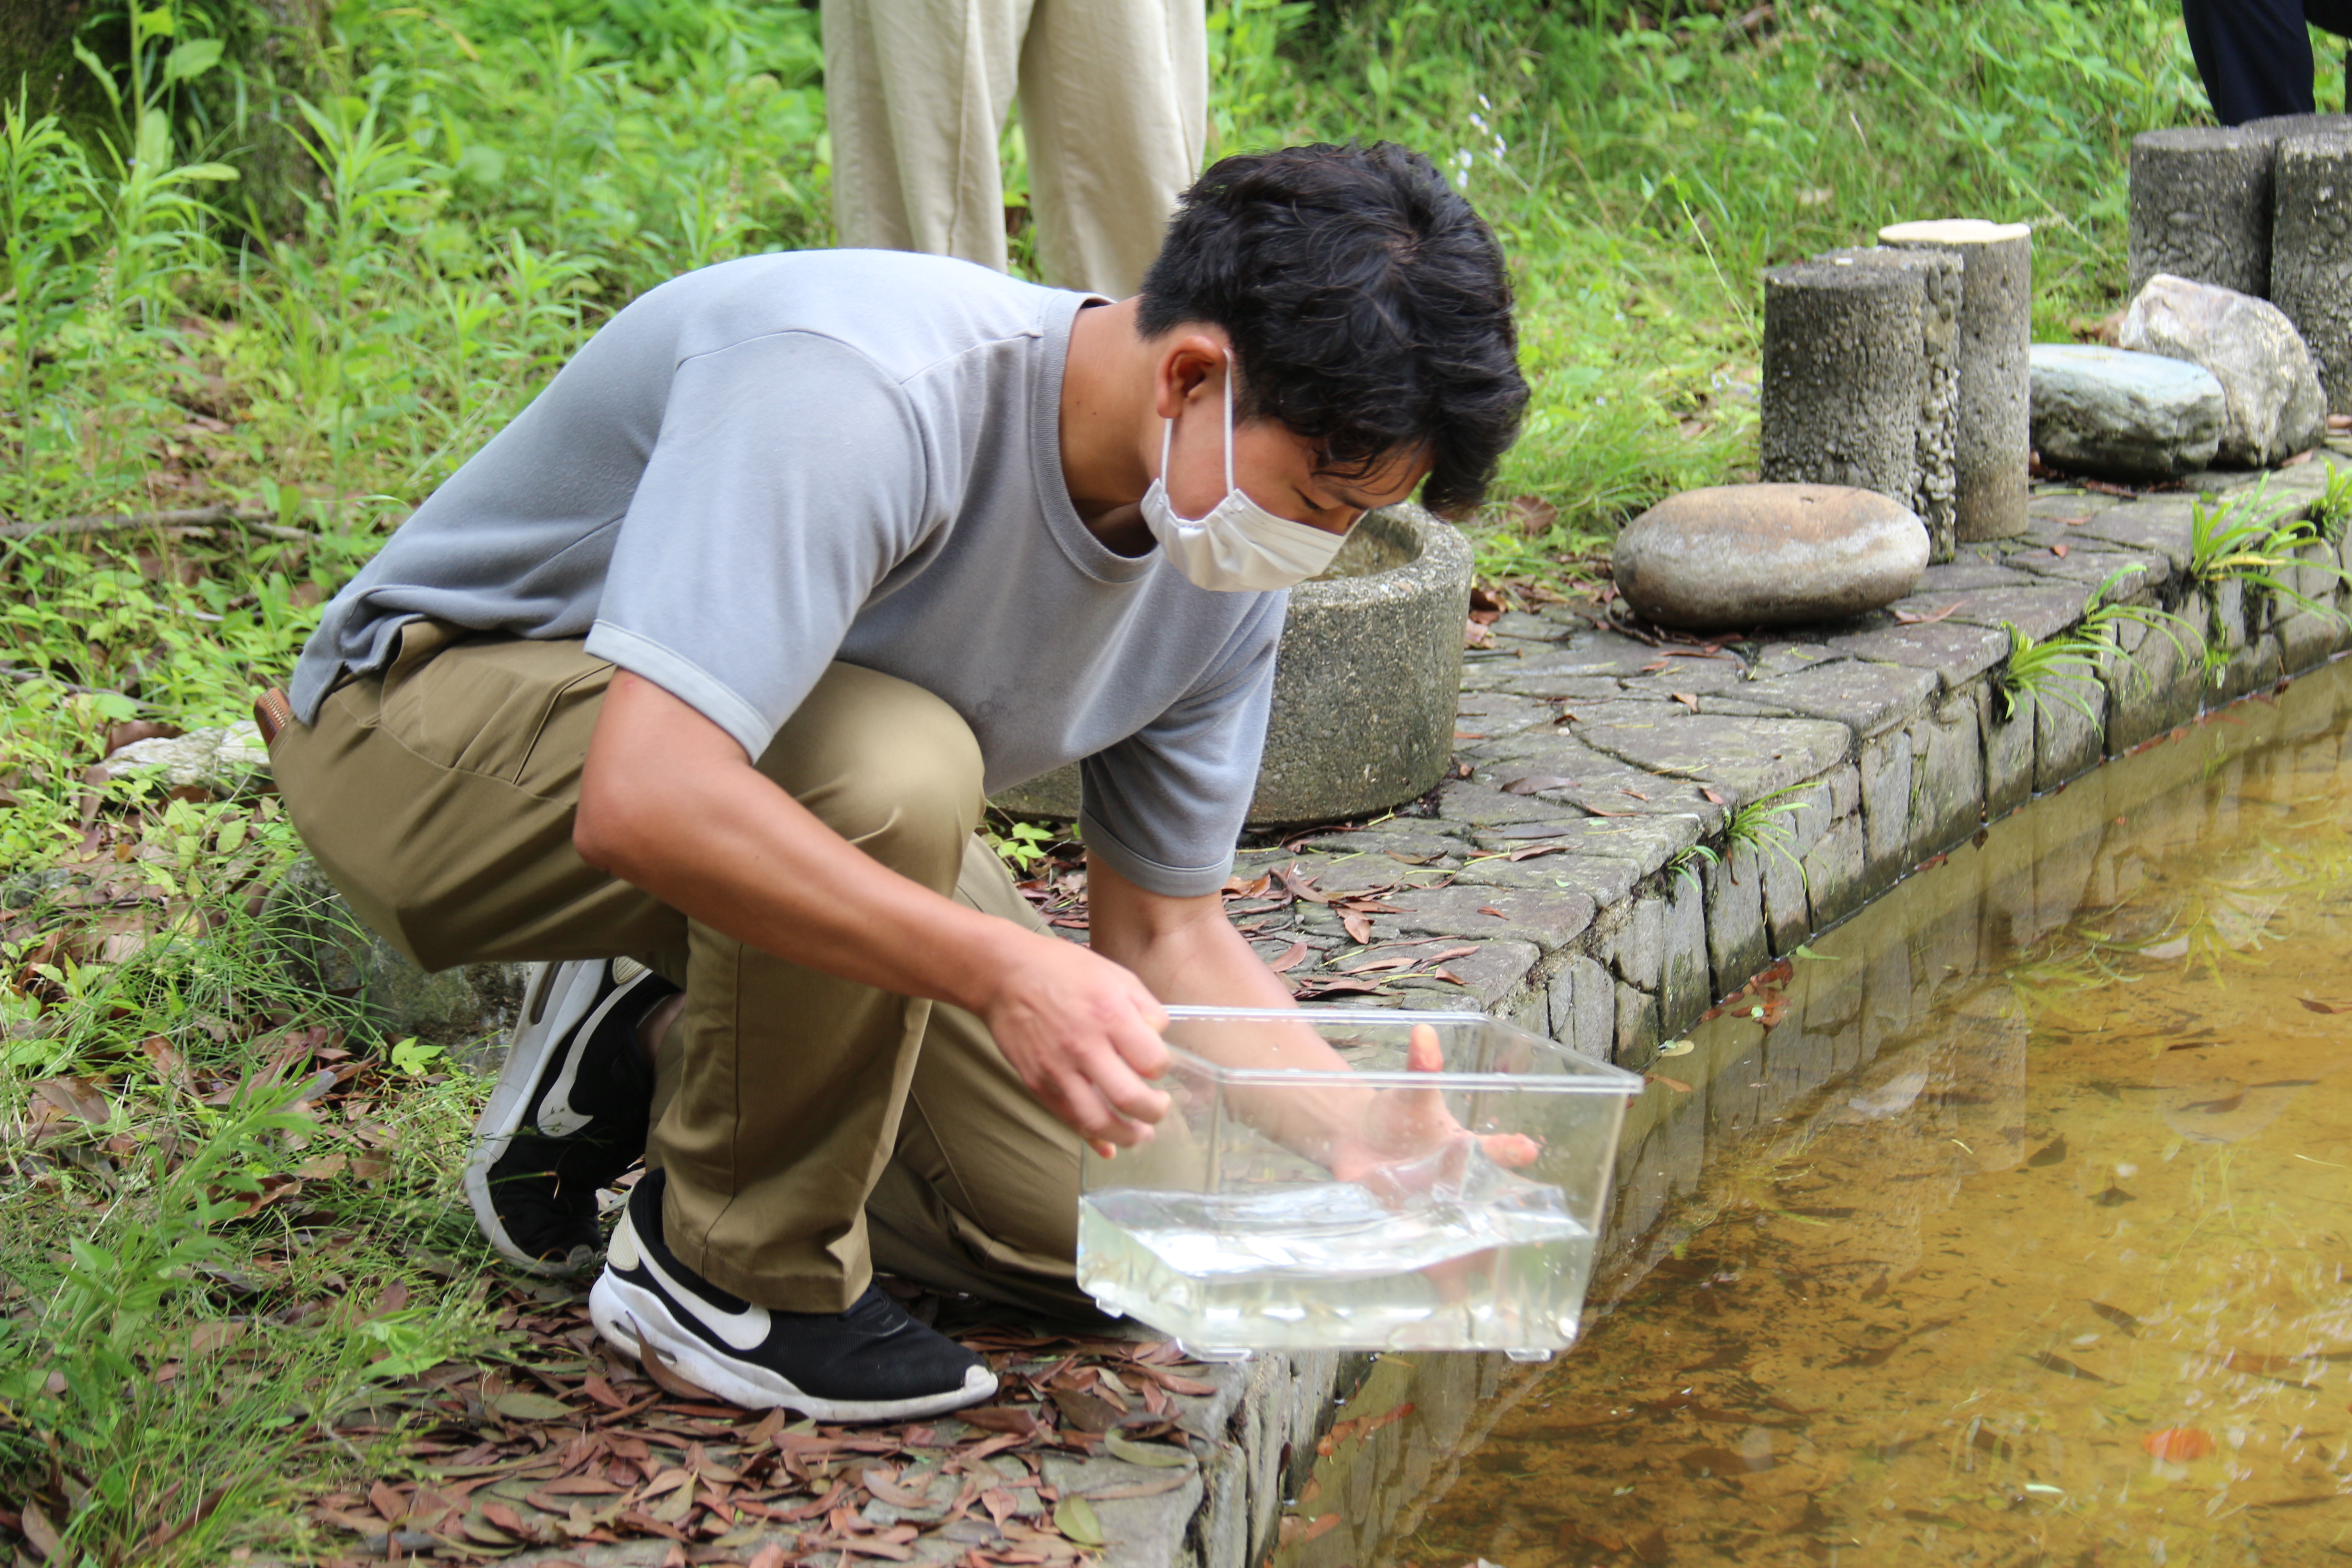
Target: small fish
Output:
[(2117, 1316), (2178, 1445), (2049, 1153), (2064, 1368), (2114, 1196)]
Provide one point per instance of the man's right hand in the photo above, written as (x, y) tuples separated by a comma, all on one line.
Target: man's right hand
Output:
[(1084, 1035)]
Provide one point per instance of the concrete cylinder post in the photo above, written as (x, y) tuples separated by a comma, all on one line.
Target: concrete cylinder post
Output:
[(2311, 252), (2201, 207), (1933, 498), (1844, 376), (1995, 442), (2277, 126)]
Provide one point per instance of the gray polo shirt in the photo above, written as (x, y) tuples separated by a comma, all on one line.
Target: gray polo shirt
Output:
[(774, 463)]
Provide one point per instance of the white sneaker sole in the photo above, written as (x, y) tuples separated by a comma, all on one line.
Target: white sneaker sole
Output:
[(622, 1311), (573, 995)]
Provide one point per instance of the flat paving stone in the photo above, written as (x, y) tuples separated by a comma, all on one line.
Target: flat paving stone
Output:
[(1788, 655), (1547, 919), (2038, 612), (1648, 842), (2069, 503), (1557, 688), (1405, 840), (1478, 806), (1563, 768), (2158, 527), (1692, 675), (1487, 977), (1964, 575), (1955, 653), (1865, 697), (1600, 877), (1745, 758), (2092, 567), (1486, 714), (1590, 653)]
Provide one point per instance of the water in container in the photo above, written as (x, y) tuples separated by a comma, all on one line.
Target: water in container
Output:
[(1230, 1233)]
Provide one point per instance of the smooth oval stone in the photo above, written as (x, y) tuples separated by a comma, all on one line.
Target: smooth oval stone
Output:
[(1735, 556), (2116, 415)]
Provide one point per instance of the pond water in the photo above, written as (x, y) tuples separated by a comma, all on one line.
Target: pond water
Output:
[(2007, 1224)]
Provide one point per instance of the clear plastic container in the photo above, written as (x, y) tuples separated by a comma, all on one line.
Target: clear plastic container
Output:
[(1353, 1203)]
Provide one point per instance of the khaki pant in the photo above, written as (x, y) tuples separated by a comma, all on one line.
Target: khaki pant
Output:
[(813, 1129), (1114, 109)]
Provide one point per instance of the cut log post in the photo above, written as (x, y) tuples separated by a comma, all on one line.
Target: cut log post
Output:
[(1933, 497), (1845, 373), (2201, 207), (2311, 252), (1995, 439)]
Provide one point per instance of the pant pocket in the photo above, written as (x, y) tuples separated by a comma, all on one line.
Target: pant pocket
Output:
[(518, 709)]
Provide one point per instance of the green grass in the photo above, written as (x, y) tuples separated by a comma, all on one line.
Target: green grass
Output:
[(494, 180)]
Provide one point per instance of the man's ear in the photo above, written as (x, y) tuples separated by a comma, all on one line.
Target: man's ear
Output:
[(1189, 364)]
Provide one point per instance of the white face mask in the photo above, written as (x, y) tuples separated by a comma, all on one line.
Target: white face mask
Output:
[(1240, 546)]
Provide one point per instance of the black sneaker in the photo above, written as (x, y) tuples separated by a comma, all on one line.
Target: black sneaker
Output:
[(569, 1113), (873, 1363)]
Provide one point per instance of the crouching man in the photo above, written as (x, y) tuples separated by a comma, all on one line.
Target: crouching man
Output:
[(690, 683)]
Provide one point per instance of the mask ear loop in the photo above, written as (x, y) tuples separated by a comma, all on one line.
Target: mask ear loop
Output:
[(1230, 373)]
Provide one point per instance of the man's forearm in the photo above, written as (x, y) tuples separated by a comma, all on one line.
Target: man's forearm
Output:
[(669, 802), (763, 869)]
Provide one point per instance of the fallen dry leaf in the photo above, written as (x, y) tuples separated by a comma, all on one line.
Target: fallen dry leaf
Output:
[(1690, 701), (1909, 618), (1290, 958)]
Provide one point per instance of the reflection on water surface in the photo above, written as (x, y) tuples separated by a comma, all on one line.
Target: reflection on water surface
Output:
[(2018, 1236)]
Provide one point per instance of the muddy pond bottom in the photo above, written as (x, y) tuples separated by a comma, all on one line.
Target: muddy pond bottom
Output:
[(2019, 1232)]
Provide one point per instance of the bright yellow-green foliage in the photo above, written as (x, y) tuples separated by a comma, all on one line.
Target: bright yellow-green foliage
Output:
[(496, 179)]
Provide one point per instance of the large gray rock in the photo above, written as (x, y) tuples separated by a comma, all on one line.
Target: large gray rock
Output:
[(322, 944), (226, 760), (2272, 404), (1769, 555), (1365, 684), (2116, 415)]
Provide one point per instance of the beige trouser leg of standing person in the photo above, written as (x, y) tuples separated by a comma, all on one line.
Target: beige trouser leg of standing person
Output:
[(1114, 97), (440, 797)]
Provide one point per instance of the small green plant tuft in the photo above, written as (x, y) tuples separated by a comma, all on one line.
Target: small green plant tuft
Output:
[(1021, 845), (1757, 825), (2333, 511), (2248, 540), (1687, 863), (2046, 670)]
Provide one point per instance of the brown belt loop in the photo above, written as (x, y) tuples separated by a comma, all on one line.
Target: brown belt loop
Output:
[(272, 713)]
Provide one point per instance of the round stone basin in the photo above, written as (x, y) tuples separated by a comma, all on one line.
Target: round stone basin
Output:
[(1365, 684)]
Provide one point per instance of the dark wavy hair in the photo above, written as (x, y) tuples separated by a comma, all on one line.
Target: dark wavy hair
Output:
[(1367, 304)]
